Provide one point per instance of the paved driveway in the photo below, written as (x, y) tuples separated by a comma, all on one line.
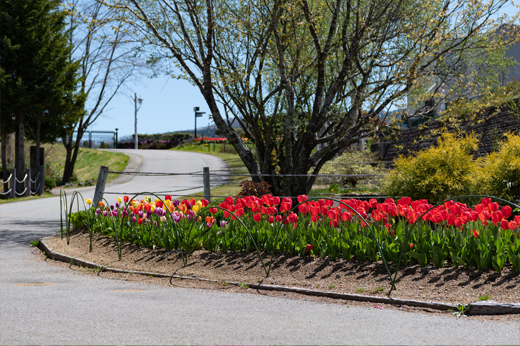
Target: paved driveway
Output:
[(70, 308)]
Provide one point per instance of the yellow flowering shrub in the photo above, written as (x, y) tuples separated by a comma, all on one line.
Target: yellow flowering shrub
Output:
[(499, 173), (442, 171)]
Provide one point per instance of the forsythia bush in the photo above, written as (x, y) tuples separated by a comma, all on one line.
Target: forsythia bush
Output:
[(437, 173), (342, 165), (499, 172)]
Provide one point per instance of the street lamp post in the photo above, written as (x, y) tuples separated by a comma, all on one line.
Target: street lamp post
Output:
[(197, 115), (116, 137), (136, 100)]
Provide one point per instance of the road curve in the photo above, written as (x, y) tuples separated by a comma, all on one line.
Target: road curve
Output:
[(70, 308)]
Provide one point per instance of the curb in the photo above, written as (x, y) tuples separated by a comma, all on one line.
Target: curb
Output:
[(477, 308)]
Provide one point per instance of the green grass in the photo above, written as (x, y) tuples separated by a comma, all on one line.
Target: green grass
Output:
[(87, 164), (484, 297), (16, 199)]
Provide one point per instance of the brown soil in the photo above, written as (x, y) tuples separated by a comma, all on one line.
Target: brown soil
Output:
[(447, 284)]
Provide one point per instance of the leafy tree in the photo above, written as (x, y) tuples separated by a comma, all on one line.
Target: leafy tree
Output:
[(108, 60), (38, 73), (306, 78)]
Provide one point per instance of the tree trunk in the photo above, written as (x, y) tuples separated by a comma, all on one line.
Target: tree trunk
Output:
[(72, 149), (5, 172), (20, 151)]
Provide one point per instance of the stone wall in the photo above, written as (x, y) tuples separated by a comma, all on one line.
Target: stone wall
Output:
[(489, 129)]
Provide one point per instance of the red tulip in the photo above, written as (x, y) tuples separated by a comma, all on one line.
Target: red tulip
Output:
[(496, 217), (140, 221), (126, 198), (302, 208), (159, 204), (315, 218), (240, 212), (404, 201), (279, 218), (168, 197), (204, 202), (271, 219), (293, 218), (213, 210), (226, 214), (506, 212), (513, 225), (475, 233), (302, 198), (285, 207), (229, 200), (346, 216), (493, 206), (411, 245), (504, 224), (257, 217), (308, 247), (373, 203)]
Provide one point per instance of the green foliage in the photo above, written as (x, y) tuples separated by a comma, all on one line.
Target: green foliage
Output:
[(344, 165), (499, 172), (50, 183), (35, 242), (440, 172), (78, 219)]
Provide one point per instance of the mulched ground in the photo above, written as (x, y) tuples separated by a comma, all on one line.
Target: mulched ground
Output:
[(447, 284)]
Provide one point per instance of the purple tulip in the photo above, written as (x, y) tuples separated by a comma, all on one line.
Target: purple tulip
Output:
[(112, 207), (98, 211), (105, 213), (117, 204), (148, 214), (223, 224), (155, 223), (114, 213), (140, 214), (176, 202), (133, 219)]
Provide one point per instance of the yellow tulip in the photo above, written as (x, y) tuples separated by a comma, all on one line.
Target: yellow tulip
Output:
[(195, 208), (152, 208), (119, 200), (89, 201), (168, 202)]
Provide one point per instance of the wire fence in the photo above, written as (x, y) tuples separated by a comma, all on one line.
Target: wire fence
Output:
[(225, 178)]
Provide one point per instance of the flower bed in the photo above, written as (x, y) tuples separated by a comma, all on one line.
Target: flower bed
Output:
[(485, 236)]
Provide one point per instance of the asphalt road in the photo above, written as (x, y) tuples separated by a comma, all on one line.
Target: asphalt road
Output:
[(70, 308)]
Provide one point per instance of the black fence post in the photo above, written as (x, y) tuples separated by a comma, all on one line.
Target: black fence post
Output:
[(207, 190)]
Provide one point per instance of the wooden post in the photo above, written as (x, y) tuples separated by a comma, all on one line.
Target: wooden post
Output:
[(12, 183), (100, 184), (28, 182), (207, 190)]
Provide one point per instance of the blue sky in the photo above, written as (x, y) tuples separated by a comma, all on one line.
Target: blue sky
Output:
[(167, 104)]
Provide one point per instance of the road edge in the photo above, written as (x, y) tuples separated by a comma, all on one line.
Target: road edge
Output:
[(477, 308)]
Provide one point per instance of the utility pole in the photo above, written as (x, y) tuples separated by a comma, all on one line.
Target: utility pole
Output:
[(140, 100)]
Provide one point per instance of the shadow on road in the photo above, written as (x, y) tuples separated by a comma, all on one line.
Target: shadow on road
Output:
[(22, 232)]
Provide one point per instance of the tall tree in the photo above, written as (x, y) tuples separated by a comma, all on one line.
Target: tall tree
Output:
[(108, 60), (306, 78), (39, 74)]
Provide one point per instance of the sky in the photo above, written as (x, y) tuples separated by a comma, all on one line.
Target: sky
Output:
[(167, 105)]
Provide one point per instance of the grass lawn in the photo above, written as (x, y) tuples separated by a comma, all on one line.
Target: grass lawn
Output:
[(87, 164)]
